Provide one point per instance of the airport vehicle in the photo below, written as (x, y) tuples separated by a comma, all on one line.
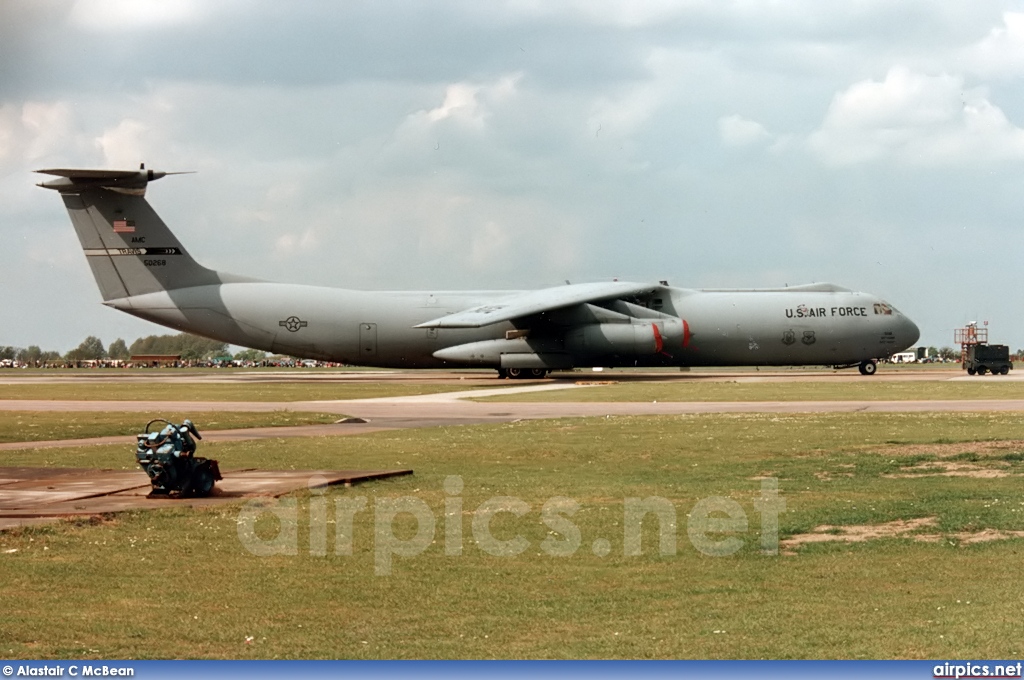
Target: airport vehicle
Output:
[(142, 269), (168, 457), (984, 358)]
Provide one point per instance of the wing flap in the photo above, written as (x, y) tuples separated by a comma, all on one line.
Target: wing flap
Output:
[(537, 301)]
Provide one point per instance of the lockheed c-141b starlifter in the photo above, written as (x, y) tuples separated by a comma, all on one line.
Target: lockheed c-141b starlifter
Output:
[(142, 269)]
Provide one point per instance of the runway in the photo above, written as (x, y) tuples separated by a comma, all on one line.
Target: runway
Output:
[(483, 377), (458, 408)]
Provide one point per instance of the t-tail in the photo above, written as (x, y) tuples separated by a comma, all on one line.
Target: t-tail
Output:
[(130, 249)]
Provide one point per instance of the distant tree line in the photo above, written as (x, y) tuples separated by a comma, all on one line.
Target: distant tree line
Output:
[(194, 348), (31, 355), (189, 347)]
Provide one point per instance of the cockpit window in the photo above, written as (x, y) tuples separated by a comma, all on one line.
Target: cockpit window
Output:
[(884, 308)]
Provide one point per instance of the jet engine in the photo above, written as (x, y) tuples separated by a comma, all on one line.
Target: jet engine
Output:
[(625, 339)]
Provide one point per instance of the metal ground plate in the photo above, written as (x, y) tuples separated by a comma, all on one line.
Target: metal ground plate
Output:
[(33, 495)]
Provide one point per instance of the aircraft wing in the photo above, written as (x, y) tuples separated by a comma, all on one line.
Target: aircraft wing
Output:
[(537, 301)]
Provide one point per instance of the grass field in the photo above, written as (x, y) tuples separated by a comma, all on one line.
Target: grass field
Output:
[(34, 426), (179, 583), (256, 391), (776, 391)]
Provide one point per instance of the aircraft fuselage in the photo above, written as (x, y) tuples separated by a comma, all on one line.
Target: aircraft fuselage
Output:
[(722, 328)]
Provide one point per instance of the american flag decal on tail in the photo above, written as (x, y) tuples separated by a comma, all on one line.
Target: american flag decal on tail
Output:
[(124, 226)]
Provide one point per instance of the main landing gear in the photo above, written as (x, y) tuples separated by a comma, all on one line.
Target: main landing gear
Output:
[(522, 373), (868, 367)]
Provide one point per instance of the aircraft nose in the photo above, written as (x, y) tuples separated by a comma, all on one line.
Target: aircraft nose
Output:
[(909, 332)]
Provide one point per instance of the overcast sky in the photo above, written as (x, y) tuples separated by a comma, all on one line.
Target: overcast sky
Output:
[(878, 145)]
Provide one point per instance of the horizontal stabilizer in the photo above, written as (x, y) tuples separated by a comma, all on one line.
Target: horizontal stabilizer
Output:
[(72, 173), (124, 181)]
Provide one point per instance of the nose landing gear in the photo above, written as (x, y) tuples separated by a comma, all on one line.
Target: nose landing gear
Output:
[(868, 367)]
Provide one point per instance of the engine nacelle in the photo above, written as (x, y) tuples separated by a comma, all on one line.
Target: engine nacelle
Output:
[(626, 339), (644, 337)]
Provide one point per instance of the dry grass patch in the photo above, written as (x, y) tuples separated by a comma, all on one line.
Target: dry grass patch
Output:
[(900, 528), (984, 536), (948, 450), (826, 476), (947, 468), (827, 533)]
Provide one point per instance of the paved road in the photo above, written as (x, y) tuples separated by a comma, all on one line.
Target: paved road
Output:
[(452, 408), (404, 413)]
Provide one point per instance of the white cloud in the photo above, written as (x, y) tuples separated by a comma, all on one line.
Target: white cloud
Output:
[(621, 112), (471, 103), (632, 14), (9, 126), (425, 232), (125, 145), (47, 126), (489, 245), (117, 15), (459, 101), (624, 113), (915, 119), (304, 241), (461, 120), (1001, 52), (35, 130), (738, 131)]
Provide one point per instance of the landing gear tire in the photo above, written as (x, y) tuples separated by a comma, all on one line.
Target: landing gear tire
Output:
[(971, 371), (868, 367), (982, 370), (1004, 370), (522, 373)]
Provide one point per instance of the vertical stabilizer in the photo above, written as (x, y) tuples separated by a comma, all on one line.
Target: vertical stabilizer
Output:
[(129, 248)]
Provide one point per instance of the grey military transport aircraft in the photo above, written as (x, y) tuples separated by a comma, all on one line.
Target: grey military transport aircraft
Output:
[(142, 269)]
